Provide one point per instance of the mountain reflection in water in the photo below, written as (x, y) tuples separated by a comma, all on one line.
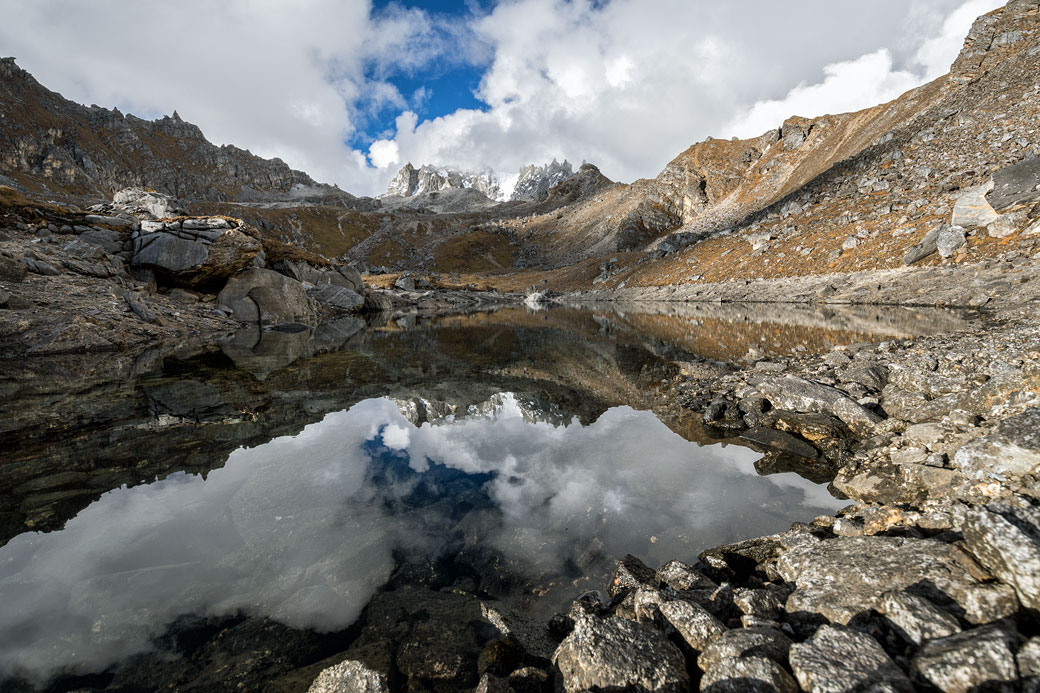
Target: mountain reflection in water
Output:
[(306, 528)]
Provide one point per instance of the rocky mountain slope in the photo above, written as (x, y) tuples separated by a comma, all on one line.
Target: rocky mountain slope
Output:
[(52, 146)]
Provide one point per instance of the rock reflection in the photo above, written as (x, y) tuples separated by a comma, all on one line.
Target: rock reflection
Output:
[(305, 529)]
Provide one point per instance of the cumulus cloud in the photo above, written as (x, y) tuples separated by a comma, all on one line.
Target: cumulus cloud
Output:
[(626, 84), (869, 80)]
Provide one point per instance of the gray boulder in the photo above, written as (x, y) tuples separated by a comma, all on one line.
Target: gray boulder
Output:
[(144, 203), (618, 654), (1028, 660), (800, 395), (950, 238), (916, 618), (1006, 540), (195, 256), (378, 302), (631, 573), (349, 677), (973, 209), (693, 622), (111, 241), (681, 577), (840, 578), (927, 246), (748, 675), (840, 660), (1010, 452), (745, 642), (1018, 184), (266, 297), (337, 297), (11, 270), (978, 659)]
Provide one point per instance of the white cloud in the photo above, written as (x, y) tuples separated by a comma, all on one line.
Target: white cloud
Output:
[(626, 84), (847, 86)]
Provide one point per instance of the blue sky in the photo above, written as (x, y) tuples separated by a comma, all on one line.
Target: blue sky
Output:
[(351, 90)]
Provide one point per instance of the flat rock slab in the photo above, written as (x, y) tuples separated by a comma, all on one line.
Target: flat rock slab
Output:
[(845, 576), (617, 654), (840, 660), (1015, 185)]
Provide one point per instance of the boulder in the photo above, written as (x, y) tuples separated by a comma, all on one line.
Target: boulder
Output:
[(973, 209), (114, 222), (838, 579), (266, 297), (693, 622), (800, 395), (349, 677), (111, 241), (377, 302), (950, 238), (618, 654), (975, 660), (1028, 660), (195, 258), (145, 203), (404, 284), (748, 675), (337, 297), (915, 618), (631, 573), (927, 246), (840, 660), (1018, 184), (682, 578), (11, 270), (1006, 540), (745, 642), (1010, 452)]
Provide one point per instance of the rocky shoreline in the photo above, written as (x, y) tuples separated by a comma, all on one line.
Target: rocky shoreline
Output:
[(927, 580)]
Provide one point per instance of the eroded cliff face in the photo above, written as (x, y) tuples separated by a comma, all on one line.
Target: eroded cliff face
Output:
[(48, 143)]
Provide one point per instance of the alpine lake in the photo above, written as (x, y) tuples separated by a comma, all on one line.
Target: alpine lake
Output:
[(240, 514)]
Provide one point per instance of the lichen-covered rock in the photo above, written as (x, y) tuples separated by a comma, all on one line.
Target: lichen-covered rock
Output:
[(745, 642), (1006, 540), (349, 677), (748, 675), (1010, 452), (681, 577), (978, 659), (916, 618), (697, 626), (840, 578), (840, 660), (618, 654)]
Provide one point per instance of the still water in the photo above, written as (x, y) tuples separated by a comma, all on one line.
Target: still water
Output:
[(513, 457)]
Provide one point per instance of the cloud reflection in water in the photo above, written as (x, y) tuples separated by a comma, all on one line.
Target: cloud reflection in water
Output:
[(303, 528)]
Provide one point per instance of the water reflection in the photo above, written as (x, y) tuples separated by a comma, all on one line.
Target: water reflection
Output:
[(306, 528)]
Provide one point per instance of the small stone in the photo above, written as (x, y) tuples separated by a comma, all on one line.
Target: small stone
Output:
[(949, 240), (839, 660), (974, 660), (916, 618)]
